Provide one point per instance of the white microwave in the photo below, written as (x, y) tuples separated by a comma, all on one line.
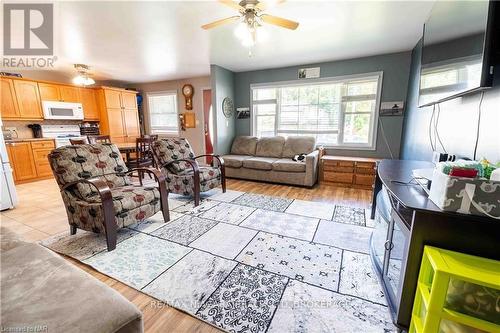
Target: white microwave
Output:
[(62, 110)]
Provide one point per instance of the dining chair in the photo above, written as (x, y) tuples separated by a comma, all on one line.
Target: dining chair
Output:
[(143, 156), (99, 139), (152, 136), (78, 141)]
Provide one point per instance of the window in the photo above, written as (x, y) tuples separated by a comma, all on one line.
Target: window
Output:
[(163, 117), (339, 112)]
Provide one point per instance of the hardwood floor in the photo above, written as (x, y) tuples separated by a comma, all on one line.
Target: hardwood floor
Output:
[(41, 214)]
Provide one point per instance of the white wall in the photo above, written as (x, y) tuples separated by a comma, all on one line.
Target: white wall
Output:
[(194, 135)]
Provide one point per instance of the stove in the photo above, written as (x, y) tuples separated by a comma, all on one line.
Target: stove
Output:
[(61, 133)]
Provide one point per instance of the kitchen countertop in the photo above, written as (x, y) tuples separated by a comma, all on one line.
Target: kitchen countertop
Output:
[(27, 139)]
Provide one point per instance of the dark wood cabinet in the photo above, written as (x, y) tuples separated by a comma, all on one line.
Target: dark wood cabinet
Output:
[(415, 221)]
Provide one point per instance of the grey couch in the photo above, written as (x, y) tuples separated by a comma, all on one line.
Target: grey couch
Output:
[(42, 292), (270, 160)]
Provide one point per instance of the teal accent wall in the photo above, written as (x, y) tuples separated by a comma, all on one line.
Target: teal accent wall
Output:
[(396, 68), (222, 82)]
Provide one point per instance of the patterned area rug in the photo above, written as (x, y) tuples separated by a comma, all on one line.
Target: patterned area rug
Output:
[(248, 263)]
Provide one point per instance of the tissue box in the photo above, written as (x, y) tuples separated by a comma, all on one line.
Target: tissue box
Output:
[(454, 194)]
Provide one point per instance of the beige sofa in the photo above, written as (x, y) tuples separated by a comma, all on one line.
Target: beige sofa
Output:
[(42, 292), (270, 160)]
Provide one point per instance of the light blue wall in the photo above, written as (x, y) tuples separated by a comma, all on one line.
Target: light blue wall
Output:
[(222, 82), (396, 68)]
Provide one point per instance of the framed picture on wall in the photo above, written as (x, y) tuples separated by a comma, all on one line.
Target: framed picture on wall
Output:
[(243, 113)]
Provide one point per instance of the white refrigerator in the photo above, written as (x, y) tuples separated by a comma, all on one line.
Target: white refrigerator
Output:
[(8, 189)]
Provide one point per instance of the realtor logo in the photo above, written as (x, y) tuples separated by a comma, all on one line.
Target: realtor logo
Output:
[(28, 29)]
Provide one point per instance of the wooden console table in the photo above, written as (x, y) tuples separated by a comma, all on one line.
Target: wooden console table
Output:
[(356, 172)]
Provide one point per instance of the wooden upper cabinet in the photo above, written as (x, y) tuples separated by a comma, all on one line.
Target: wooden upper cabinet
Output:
[(89, 104), (22, 161), (28, 99), (129, 100), (116, 125), (49, 92), (57, 92), (69, 94), (8, 102), (131, 122), (113, 98)]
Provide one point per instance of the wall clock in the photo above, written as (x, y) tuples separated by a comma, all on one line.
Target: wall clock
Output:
[(188, 92), (228, 107)]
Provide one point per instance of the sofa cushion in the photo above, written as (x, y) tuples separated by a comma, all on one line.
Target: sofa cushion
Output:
[(234, 161), (244, 145), (295, 145), (289, 165), (41, 288), (260, 163), (270, 147)]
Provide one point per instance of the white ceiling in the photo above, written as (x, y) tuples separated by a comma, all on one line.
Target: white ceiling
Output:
[(153, 41)]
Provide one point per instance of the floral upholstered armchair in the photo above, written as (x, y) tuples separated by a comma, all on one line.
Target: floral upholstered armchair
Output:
[(184, 175), (97, 192)]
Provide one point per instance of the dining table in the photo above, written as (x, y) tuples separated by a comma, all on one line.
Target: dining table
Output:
[(126, 148)]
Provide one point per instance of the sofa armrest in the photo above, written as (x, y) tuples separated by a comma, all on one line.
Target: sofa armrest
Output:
[(312, 163)]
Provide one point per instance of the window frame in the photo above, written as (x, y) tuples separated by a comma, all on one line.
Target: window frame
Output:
[(176, 99), (371, 145)]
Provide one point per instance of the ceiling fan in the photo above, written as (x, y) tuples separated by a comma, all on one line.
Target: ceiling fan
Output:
[(250, 15)]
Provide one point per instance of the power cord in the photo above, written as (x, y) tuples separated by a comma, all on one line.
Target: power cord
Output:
[(478, 125), (436, 128), (430, 126), (385, 138)]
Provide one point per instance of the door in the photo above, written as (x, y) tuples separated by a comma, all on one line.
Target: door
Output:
[(28, 99), (49, 92), (129, 100), (113, 99), (208, 123), (69, 94), (89, 104), (131, 124), (9, 102), (116, 125), (21, 160)]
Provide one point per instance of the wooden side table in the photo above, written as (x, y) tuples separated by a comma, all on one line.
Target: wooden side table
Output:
[(357, 172)]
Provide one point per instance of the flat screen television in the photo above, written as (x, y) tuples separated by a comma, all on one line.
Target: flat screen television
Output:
[(457, 50)]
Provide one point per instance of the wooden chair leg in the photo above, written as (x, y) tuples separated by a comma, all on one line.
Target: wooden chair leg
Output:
[(110, 226), (223, 184), (164, 200), (72, 229)]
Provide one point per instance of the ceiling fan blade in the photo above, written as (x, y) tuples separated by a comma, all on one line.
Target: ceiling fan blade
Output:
[(280, 22), (232, 4), (270, 3), (220, 22)]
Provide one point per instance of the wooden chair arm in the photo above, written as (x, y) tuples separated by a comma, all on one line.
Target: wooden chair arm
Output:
[(159, 177), (217, 157)]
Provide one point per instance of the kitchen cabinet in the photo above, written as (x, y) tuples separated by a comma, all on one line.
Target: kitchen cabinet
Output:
[(29, 159), (22, 162), (40, 151), (89, 104), (9, 102), (57, 92), (119, 115), (28, 99)]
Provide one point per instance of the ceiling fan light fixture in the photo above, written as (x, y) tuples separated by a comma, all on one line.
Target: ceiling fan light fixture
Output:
[(83, 78)]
